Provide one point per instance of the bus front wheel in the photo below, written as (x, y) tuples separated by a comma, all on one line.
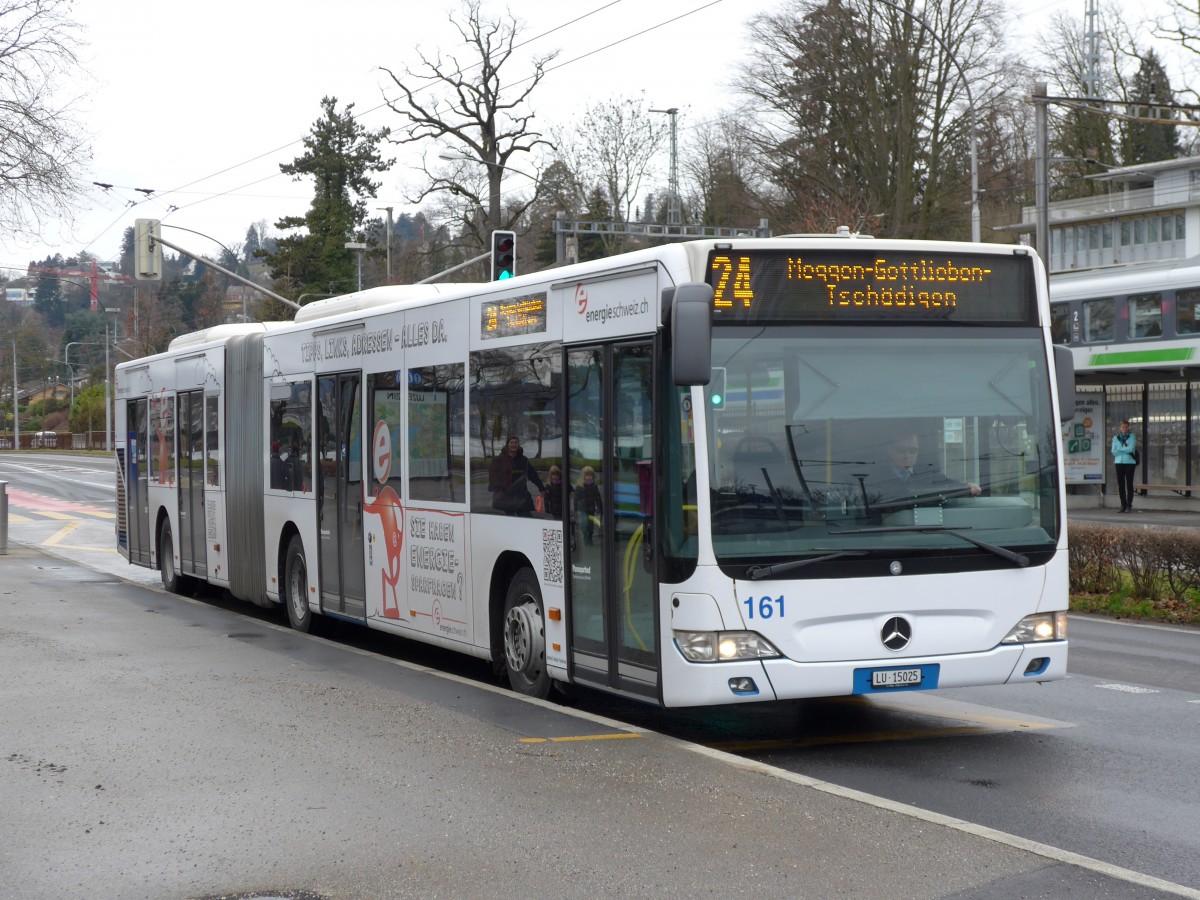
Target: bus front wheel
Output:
[(295, 586), (525, 636)]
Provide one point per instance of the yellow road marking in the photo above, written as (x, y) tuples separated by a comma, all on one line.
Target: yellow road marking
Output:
[(54, 539), (582, 737)]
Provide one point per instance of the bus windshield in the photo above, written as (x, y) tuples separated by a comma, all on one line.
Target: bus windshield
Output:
[(897, 440)]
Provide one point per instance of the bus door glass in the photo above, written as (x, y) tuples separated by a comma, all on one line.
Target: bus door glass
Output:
[(339, 500), (138, 513), (191, 483), (611, 588)]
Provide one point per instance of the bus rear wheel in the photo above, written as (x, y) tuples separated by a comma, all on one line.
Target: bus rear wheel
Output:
[(295, 586), (172, 581), (525, 636)]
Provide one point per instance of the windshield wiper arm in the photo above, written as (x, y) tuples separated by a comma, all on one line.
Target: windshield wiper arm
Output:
[(754, 573), (1004, 553)]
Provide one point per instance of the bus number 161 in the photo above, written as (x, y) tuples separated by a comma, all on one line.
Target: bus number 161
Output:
[(767, 607)]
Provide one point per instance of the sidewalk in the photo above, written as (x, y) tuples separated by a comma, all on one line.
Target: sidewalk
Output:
[(1158, 519)]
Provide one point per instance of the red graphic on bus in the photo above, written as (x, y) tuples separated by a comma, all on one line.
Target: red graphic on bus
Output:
[(387, 506)]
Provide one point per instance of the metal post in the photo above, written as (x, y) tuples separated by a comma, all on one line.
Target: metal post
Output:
[(388, 241), (1042, 172), (16, 417), (674, 215), (107, 402), (3, 517)]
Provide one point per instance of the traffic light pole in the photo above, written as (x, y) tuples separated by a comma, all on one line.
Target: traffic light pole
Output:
[(234, 275), (470, 262)]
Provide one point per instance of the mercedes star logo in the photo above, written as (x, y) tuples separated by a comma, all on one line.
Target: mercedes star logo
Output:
[(896, 633)]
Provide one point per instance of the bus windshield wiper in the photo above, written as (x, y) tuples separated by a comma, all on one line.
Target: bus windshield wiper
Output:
[(754, 573), (1019, 559)]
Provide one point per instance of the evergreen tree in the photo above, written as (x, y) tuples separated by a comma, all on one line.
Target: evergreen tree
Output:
[(595, 246), (1144, 140), (339, 156)]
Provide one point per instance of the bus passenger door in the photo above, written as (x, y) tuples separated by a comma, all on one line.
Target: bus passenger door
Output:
[(137, 474), (611, 588), (192, 556), (340, 495)]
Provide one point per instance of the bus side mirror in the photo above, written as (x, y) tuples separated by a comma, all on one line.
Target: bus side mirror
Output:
[(690, 307), (1064, 368)]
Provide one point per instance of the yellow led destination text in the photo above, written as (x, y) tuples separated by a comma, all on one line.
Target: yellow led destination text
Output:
[(918, 283), (725, 270), (518, 315)]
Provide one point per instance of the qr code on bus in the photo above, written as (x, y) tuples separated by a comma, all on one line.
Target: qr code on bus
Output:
[(552, 555)]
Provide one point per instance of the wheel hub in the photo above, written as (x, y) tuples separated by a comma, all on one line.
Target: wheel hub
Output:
[(524, 642)]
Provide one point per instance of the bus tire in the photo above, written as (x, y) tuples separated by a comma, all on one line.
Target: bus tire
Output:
[(295, 586), (172, 581), (524, 631)]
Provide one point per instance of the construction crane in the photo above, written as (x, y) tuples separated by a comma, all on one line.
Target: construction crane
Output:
[(94, 276)]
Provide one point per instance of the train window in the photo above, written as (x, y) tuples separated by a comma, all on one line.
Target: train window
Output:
[(1098, 319), (1187, 311), (1060, 323), (1145, 316)]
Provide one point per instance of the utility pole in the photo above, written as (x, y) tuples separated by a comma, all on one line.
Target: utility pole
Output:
[(16, 419), (674, 214), (1041, 174), (388, 241)]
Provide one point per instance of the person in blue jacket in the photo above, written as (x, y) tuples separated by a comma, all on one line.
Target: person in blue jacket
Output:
[(1124, 446)]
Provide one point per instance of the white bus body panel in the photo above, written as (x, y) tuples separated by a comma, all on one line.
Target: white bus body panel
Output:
[(832, 622)]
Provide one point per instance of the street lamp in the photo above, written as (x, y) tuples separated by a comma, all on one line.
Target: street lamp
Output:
[(67, 363), (975, 225), (358, 247)]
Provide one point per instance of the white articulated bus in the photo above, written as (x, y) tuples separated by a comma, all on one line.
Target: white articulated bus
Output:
[(728, 524)]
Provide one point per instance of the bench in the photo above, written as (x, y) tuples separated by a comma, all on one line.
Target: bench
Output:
[(1183, 490)]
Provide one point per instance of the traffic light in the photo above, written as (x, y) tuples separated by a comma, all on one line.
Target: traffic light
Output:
[(716, 388), (504, 255), (147, 250)]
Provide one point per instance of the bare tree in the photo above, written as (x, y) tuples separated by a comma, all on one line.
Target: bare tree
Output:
[(41, 149), (719, 169), (614, 145), (857, 108), (466, 103)]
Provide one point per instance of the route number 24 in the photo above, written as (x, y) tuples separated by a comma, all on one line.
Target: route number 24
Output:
[(764, 607)]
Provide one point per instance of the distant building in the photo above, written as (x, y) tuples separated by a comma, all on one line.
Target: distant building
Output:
[(1125, 297), (18, 296)]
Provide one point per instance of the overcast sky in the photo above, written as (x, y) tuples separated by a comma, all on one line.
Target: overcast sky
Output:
[(198, 104)]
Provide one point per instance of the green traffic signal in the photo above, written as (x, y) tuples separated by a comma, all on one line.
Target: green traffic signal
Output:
[(504, 255)]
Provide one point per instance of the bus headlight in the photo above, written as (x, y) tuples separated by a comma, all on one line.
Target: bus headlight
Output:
[(723, 646), (1037, 628)]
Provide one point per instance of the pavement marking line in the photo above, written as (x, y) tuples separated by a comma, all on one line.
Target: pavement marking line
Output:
[(1056, 854), (53, 514), (54, 539), (902, 734), (582, 737)]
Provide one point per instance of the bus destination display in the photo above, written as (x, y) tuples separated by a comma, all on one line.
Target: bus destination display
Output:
[(514, 315), (872, 285)]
